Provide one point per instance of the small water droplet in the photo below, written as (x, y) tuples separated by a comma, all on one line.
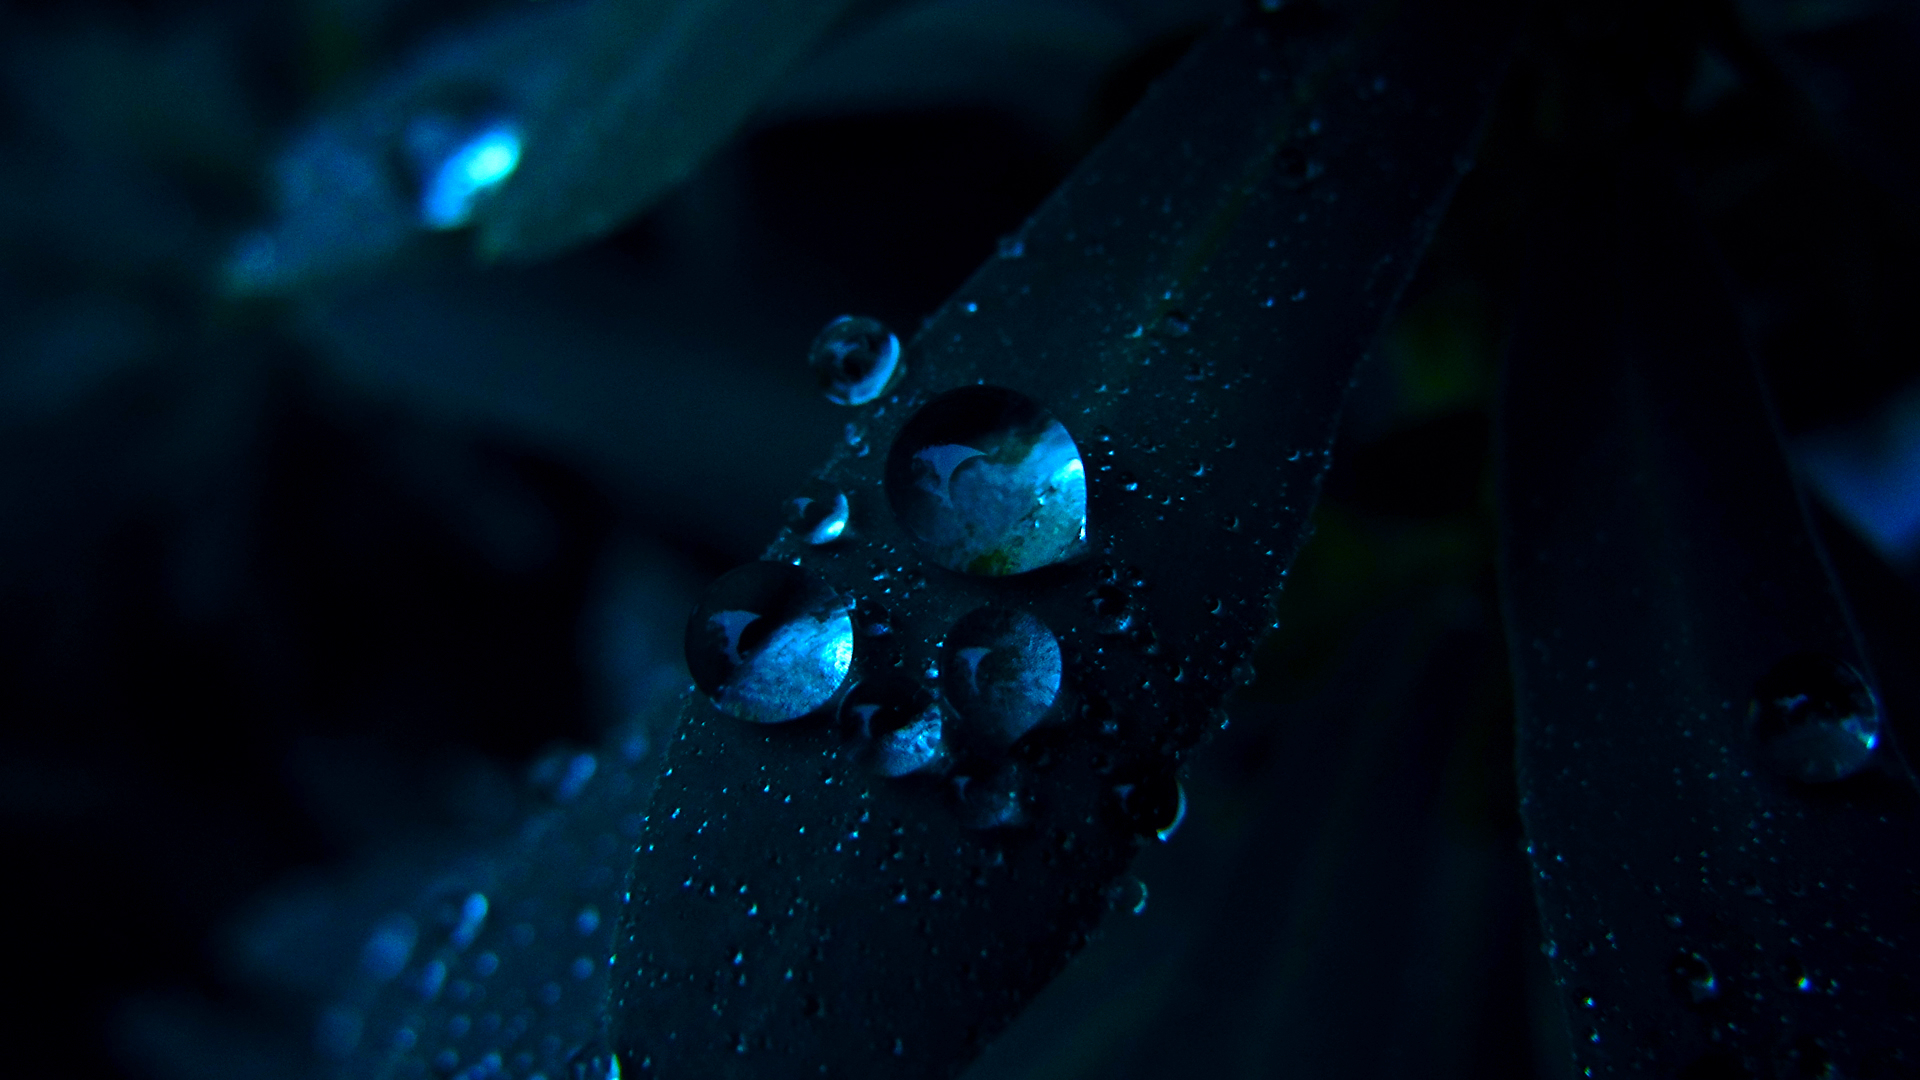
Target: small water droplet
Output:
[(856, 359), (1176, 324), (593, 1061), (899, 722), (1296, 169), (995, 800), (1112, 608), (1693, 978), (1149, 800), (1001, 672), (989, 482), (819, 518), (459, 156), (1011, 247), (1130, 894), (770, 642), (389, 947), (473, 916), (1165, 832), (1817, 720)]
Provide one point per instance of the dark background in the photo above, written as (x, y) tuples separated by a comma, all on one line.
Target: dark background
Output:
[(298, 595)]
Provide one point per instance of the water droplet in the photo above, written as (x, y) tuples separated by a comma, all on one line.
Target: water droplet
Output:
[(989, 482), (1112, 608), (1176, 324), (770, 642), (992, 801), (389, 947), (1150, 801), (1000, 670), (1693, 978), (1165, 832), (1130, 894), (458, 156), (562, 776), (856, 359), (1296, 169), (593, 1062), (900, 722), (473, 916), (1817, 720), (819, 518), (1011, 247)]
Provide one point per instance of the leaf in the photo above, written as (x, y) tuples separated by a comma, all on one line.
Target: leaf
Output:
[(1191, 304), (609, 103), (1704, 914)]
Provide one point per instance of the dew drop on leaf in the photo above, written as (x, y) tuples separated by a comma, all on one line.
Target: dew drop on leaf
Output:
[(1816, 719), (856, 359), (898, 723), (1693, 978), (770, 642), (1000, 670), (992, 800), (457, 160), (989, 482), (819, 518)]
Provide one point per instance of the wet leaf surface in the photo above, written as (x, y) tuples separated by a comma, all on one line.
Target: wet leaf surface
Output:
[(1191, 305), (1704, 908)]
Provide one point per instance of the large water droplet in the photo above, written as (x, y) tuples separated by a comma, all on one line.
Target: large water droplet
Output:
[(820, 517), (856, 359), (989, 482), (459, 156), (1816, 719), (770, 642), (899, 722), (1000, 670)]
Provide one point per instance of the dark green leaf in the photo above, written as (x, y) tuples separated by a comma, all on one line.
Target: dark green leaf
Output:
[(1191, 304), (612, 103), (1702, 911)]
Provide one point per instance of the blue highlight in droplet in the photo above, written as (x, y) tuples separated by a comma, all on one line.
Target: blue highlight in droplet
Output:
[(483, 163)]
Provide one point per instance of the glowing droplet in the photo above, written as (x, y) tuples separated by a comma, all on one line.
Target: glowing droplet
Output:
[(770, 642), (459, 161), (989, 483), (1816, 719), (856, 359), (819, 518)]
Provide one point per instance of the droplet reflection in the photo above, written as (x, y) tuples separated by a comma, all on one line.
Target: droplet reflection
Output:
[(458, 162), (899, 723), (1000, 670), (770, 642), (989, 482), (856, 359), (1816, 719), (820, 518)]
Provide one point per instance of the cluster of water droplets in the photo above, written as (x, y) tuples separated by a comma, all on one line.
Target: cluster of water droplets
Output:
[(987, 482)]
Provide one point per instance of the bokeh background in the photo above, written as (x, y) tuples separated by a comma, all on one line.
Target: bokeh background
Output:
[(314, 596)]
